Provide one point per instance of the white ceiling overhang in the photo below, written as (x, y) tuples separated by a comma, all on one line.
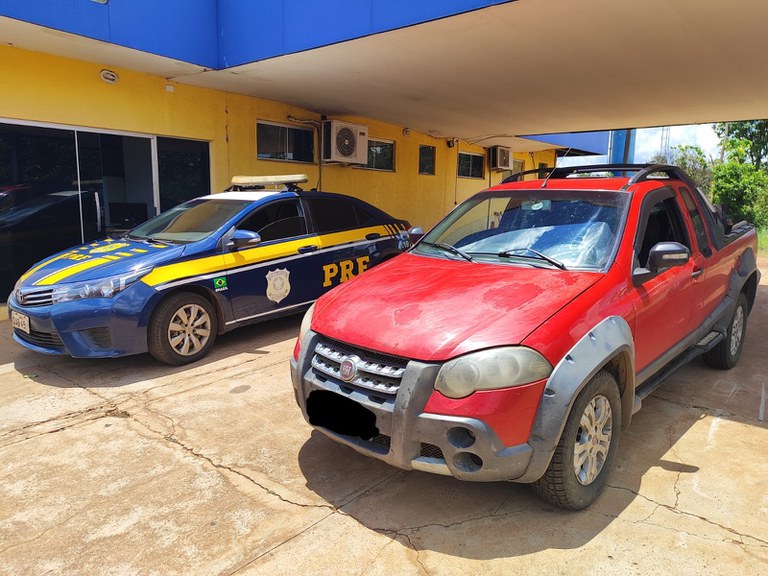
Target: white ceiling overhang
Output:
[(489, 76)]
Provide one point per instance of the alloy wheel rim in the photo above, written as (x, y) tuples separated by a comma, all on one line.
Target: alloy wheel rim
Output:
[(593, 440), (737, 329), (189, 330)]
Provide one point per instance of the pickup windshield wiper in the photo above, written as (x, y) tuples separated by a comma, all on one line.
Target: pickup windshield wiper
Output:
[(451, 249), (533, 254)]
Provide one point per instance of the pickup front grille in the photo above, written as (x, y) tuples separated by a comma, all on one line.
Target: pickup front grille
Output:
[(34, 296), (376, 372)]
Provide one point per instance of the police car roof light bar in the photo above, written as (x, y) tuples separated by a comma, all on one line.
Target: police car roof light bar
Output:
[(290, 182)]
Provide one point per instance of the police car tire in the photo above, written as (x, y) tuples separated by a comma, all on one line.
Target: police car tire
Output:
[(158, 338)]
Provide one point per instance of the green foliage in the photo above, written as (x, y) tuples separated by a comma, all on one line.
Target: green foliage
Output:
[(740, 185), (691, 159), (754, 132), (762, 240)]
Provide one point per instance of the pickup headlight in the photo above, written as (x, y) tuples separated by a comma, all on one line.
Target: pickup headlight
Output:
[(98, 288), (306, 322), (491, 369)]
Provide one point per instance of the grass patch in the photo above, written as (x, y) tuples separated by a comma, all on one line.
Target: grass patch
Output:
[(762, 241)]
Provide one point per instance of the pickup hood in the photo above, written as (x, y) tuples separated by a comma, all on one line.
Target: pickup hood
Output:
[(99, 259), (433, 309)]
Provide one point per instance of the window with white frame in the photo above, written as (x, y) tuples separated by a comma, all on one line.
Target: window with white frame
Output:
[(284, 142), (381, 155), (471, 165)]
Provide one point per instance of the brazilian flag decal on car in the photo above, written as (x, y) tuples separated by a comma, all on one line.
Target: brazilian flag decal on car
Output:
[(220, 283)]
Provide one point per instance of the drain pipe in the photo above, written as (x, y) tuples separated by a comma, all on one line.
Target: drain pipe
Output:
[(318, 125)]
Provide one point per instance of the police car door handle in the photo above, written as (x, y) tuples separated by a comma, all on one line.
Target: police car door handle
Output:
[(373, 236), (305, 249)]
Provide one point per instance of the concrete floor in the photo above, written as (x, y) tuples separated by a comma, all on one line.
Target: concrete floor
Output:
[(126, 466)]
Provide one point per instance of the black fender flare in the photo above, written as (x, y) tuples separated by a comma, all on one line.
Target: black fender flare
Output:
[(610, 342)]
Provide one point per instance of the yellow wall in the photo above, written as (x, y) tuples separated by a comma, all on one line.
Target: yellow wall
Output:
[(49, 89)]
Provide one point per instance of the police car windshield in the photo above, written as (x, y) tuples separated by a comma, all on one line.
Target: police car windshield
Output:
[(190, 221), (565, 229)]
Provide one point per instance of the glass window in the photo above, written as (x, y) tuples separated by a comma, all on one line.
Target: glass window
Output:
[(276, 221), (698, 223), (664, 224), (184, 170), (190, 221), (471, 165), (279, 142), (427, 160), (572, 229), (381, 155), (332, 214)]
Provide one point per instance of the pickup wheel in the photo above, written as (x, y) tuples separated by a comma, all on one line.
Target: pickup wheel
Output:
[(727, 352), (587, 448), (182, 329)]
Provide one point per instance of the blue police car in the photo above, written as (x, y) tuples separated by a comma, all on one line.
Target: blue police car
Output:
[(202, 268)]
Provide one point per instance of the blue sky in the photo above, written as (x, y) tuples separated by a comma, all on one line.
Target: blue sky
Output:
[(648, 141)]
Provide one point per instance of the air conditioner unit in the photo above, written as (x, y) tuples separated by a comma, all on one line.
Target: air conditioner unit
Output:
[(345, 142), (501, 158)]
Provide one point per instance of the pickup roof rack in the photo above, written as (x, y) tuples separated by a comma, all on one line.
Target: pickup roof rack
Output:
[(641, 172)]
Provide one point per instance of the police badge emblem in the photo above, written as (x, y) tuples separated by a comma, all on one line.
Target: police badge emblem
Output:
[(278, 286)]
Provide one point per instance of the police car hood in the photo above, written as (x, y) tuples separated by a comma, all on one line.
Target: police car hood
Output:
[(100, 259), (433, 309)]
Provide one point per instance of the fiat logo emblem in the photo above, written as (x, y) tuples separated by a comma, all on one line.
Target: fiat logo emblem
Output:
[(348, 368)]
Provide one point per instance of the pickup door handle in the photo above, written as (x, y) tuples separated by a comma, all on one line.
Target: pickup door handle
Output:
[(305, 249), (698, 272), (373, 236)]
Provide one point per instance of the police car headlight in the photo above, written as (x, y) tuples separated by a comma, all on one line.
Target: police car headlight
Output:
[(490, 370), (98, 288)]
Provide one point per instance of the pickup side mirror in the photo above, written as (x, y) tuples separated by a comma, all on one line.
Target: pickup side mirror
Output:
[(242, 239), (662, 256)]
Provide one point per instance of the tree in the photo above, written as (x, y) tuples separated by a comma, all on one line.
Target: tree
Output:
[(691, 159), (741, 186), (755, 132)]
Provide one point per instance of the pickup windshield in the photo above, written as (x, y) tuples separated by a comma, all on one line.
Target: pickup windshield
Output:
[(189, 222), (548, 228)]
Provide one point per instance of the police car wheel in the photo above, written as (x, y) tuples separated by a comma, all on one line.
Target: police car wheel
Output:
[(182, 329)]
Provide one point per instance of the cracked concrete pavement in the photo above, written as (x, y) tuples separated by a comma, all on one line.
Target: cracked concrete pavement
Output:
[(125, 466)]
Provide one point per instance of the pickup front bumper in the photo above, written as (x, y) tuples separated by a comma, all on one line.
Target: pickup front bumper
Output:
[(383, 417)]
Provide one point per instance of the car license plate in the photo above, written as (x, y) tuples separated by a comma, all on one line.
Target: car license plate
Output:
[(20, 321)]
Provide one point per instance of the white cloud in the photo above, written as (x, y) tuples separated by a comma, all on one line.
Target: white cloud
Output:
[(648, 140), (648, 143)]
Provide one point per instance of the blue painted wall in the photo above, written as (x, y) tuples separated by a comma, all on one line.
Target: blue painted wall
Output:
[(251, 31), (593, 142), (180, 29), (224, 33)]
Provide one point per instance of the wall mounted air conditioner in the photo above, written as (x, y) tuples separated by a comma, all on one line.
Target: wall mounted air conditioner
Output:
[(501, 158), (345, 142)]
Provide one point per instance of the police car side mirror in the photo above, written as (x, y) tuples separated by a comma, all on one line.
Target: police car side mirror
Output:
[(242, 239), (662, 256), (415, 233)]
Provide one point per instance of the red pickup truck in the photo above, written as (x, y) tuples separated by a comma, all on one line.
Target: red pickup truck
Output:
[(518, 337)]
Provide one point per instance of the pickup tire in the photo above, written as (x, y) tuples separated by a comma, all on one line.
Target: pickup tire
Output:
[(182, 329), (587, 448), (726, 354)]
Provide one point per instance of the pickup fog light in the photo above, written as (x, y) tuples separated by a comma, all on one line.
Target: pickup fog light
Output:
[(490, 370)]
